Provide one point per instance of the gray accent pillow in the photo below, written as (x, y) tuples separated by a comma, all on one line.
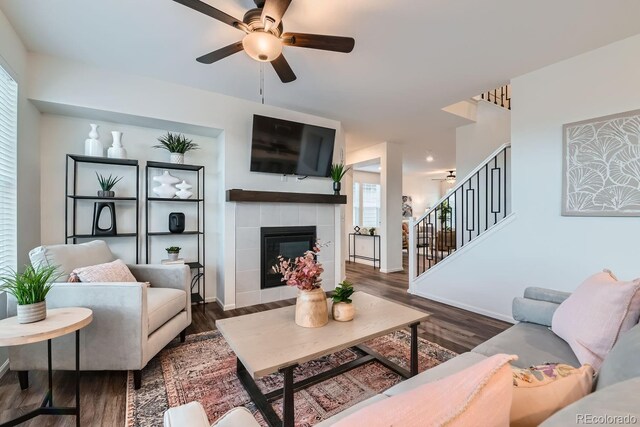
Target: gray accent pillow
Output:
[(533, 311), (621, 363)]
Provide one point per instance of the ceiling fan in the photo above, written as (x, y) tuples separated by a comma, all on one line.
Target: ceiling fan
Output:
[(450, 178), (264, 37)]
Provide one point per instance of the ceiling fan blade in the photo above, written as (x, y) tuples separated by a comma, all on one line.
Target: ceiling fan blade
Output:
[(219, 54), (316, 41), (283, 69), (274, 9), (211, 11)]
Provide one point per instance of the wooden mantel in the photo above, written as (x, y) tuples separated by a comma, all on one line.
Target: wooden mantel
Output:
[(237, 195)]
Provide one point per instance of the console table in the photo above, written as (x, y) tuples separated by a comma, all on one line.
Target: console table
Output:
[(59, 321), (374, 258)]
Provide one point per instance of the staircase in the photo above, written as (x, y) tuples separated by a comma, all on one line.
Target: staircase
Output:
[(500, 96), (476, 204)]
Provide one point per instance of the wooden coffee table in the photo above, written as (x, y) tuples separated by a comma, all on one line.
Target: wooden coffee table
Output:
[(59, 322), (270, 341)]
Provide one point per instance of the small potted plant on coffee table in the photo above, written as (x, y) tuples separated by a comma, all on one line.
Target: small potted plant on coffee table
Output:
[(30, 289), (173, 252), (342, 308), (176, 145), (107, 184)]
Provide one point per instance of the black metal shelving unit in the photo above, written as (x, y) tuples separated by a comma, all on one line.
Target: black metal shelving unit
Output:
[(197, 266), (72, 198)]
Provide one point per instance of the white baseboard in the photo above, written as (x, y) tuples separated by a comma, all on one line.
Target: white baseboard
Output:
[(210, 299), (463, 306), (223, 306), (391, 270), (4, 368)]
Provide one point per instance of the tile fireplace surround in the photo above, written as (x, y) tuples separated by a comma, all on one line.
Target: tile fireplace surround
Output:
[(251, 216)]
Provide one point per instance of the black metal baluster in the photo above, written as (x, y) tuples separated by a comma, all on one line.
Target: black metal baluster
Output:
[(504, 152)]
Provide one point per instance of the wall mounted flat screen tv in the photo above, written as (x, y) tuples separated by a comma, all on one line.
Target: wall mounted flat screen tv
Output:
[(289, 148)]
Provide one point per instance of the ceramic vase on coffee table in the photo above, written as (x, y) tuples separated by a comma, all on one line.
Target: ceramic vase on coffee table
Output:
[(311, 308)]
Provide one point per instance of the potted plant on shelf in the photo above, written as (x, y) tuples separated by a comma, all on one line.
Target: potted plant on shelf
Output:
[(173, 252), (304, 273), (30, 289), (342, 308), (177, 145), (107, 184), (337, 172)]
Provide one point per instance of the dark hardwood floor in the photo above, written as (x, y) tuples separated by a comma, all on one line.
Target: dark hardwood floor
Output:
[(104, 393)]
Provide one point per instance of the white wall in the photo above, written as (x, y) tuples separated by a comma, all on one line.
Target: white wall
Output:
[(424, 191), (539, 247), (13, 57), (476, 141), (60, 82)]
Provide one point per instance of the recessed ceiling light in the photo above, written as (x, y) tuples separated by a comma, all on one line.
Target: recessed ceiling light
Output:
[(379, 168), (429, 158)]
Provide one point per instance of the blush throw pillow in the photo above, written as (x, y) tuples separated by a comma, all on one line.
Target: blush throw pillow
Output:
[(593, 317), (116, 271), (541, 391), (480, 392)]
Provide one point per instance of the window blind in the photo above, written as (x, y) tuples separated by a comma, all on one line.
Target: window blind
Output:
[(370, 205), (8, 167)]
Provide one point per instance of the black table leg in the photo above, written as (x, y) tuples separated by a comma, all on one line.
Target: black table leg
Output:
[(49, 396), (78, 378), (414, 349), (288, 410)]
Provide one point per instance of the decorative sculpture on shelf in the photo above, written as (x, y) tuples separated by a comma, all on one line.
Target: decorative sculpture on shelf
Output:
[(98, 208), (166, 189)]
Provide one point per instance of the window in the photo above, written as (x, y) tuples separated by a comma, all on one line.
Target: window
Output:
[(366, 205), (356, 204), (370, 205), (8, 158)]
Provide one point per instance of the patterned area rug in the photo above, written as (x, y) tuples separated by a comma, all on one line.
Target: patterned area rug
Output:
[(203, 369)]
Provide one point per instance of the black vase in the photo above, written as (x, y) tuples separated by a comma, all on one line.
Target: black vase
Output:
[(336, 188), (176, 222), (98, 208)]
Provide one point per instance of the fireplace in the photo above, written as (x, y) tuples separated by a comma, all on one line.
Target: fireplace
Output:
[(290, 242)]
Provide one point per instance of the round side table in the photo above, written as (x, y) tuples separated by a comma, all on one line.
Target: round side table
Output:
[(59, 321)]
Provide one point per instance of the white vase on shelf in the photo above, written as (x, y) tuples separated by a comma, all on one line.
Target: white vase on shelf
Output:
[(92, 146), (166, 189), (117, 151), (184, 192)]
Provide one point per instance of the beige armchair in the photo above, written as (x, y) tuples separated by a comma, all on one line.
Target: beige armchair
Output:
[(131, 323)]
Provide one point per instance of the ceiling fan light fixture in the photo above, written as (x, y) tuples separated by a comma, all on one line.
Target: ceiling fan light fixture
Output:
[(262, 46)]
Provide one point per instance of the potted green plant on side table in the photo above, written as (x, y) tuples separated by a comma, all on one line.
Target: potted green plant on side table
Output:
[(30, 289), (177, 145), (173, 252), (342, 308)]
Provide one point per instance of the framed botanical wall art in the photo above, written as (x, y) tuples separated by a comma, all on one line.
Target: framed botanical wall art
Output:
[(601, 166)]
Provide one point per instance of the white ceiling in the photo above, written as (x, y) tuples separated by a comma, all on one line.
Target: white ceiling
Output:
[(412, 57)]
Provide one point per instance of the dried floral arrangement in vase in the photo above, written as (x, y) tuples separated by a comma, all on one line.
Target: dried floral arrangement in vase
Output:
[(304, 273)]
